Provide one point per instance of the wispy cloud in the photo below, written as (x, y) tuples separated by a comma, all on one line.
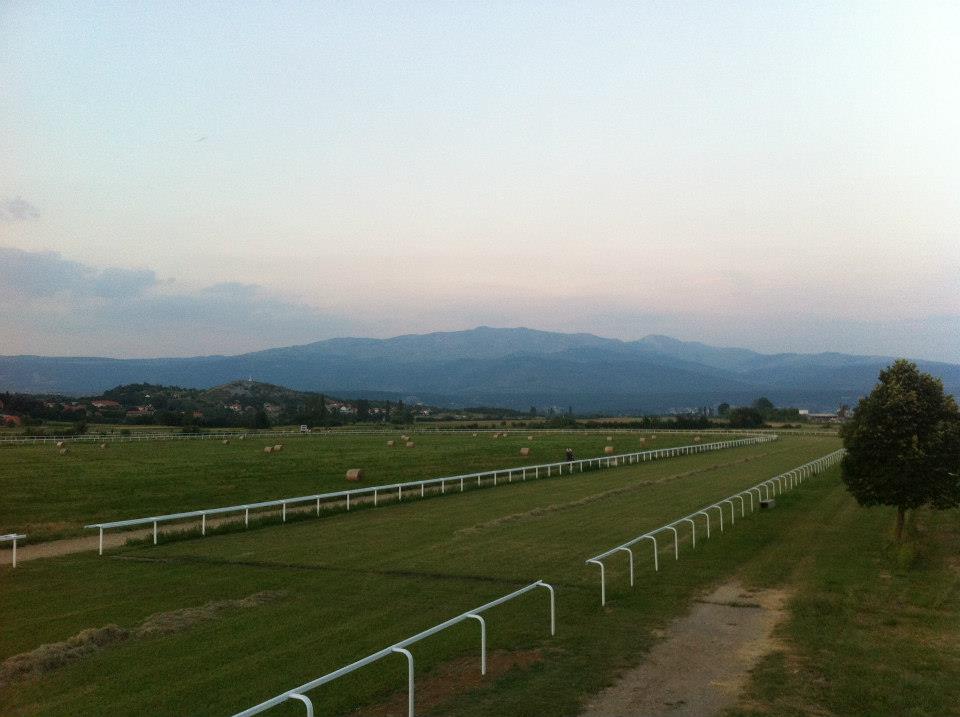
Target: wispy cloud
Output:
[(17, 209), (55, 305)]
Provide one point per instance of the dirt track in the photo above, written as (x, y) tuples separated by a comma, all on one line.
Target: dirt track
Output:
[(704, 660)]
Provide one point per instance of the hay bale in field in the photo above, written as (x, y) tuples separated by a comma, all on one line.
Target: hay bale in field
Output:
[(608, 450), (355, 474), (64, 451), (410, 444), (278, 447), (525, 451), (391, 444), (59, 444), (268, 449)]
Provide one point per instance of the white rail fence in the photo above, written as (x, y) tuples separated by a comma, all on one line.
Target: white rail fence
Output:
[(297, 693), (12, 538), (764, 490), (458, 483)]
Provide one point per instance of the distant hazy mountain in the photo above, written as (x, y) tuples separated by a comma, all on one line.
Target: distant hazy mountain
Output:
[(486, 366)]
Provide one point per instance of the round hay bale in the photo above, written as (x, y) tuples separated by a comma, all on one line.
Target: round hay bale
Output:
[(608, 450), (525, 451), (268, 449), (355, 474), (391, 444), (410, 444)]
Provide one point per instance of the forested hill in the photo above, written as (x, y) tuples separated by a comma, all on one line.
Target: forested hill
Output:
[(516, 368)]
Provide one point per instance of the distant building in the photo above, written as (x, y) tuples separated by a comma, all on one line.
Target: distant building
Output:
[(104, 403)]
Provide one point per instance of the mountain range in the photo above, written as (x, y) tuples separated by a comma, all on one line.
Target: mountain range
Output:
[(511, 367)]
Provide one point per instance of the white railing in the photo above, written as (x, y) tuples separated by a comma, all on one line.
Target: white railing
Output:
[(460, 481), (764, 490), (12, 538), (297, 693)]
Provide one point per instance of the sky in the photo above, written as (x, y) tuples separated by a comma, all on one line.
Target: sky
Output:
[(182, 179)]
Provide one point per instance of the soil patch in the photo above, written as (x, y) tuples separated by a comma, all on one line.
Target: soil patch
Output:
[(704, 660), (451, 679)]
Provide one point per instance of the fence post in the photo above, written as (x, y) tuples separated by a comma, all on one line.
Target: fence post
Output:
[(553, 606), (483, 642), (603, 581), (409, 656), (630, 553), (306, 701), (656, 551)]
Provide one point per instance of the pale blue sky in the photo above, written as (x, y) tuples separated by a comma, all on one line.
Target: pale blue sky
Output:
[(782, 176)]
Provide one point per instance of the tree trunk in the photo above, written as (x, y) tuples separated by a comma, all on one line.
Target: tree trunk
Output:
[(901, 519)]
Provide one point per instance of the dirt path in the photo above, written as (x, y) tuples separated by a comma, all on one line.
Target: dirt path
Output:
[(117, 538), (704, 661)]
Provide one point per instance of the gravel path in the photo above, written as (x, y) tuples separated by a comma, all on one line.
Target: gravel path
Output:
[(704, 660)]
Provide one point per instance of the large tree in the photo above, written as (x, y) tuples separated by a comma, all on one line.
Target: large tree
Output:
[(903, 444)]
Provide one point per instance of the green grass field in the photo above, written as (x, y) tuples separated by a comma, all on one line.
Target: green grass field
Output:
[(350, 584), (47, 495)]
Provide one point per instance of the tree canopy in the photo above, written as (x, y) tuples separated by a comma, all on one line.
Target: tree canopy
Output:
[(903, 444)]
